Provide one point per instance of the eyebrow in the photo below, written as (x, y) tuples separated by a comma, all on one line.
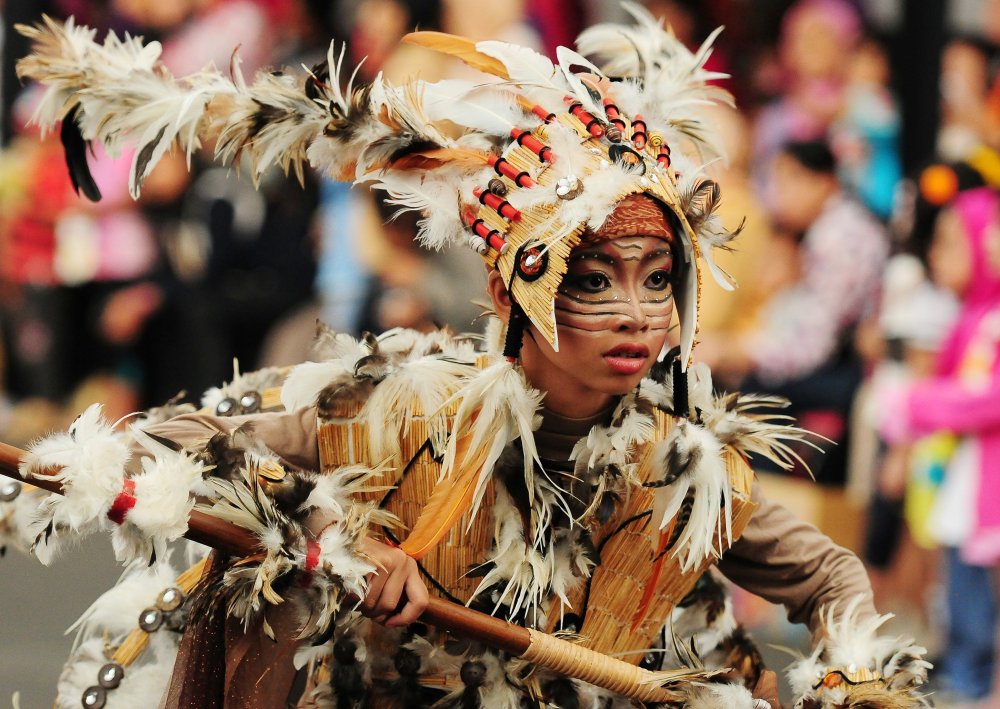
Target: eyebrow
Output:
[(593, 254), (598, 255)]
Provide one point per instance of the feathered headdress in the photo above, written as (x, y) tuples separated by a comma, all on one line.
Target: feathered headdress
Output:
[(518, 169)]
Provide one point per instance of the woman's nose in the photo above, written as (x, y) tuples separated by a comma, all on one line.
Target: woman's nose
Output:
[(632, 317)]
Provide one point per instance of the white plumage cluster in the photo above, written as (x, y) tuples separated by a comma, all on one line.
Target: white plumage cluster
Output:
[(695, 453), (163, 501), (852, 642), (667, 83), (374, 133), (91, 462)]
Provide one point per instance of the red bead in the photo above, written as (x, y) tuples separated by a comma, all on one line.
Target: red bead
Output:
[(503, 167), (639, 132), (497, 204), (532, 143), (588, 121)]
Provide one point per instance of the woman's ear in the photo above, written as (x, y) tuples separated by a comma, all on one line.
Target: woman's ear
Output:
[(498, 295)]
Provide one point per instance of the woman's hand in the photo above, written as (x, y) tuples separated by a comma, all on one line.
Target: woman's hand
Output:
[(396, 593)]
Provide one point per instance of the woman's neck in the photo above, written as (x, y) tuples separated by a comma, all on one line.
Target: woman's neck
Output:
[(558, 434)]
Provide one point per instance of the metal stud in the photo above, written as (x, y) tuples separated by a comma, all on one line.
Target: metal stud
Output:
[(151, 619), (226, 407), (94, 697), (250, 402), (110, 675), (497, 187), (169, 599), (9, 490)]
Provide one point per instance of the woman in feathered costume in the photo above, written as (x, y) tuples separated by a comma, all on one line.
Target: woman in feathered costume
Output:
[(578, 478)]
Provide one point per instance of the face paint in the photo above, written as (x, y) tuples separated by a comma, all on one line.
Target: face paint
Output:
[(624, 278), (613, 313)]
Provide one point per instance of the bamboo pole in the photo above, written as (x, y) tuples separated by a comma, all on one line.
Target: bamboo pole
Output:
[(537, 647)]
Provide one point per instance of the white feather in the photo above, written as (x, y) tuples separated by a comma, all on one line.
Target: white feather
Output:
[(422, 385), (307, 380), (431, 195), (489, 108), (93, 457), (581, 92), (497, 406), (706, 476), (163, 501)]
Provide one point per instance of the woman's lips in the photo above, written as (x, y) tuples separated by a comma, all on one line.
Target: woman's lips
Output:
[(627, 358)]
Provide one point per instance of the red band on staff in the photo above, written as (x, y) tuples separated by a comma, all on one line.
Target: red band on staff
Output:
[(123, 503), (312, 555)]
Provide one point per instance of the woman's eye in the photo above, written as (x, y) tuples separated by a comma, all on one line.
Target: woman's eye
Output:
[(592, 282), (658, 280)]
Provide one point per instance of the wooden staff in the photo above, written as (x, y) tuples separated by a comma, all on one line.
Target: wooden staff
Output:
[(534, 646)]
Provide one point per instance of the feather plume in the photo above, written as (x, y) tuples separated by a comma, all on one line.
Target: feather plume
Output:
[(496, 407), (693, 469), (424, 384), (163, 501), (488, 109), (89, 461), (583, 91), (534, 73), (435, 198), (461, 48), (307, 380)]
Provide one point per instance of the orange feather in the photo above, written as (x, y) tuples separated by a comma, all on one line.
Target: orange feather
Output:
[(451, 498), (460, 47), (654, 579)]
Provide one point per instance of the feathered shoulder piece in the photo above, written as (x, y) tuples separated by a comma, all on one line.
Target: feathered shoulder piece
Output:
[(518, 167), (855, 666)]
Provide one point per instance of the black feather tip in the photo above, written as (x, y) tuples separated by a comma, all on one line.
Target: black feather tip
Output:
[(75, 149)]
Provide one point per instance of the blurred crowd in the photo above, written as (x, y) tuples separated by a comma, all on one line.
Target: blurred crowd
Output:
[(869, 258)]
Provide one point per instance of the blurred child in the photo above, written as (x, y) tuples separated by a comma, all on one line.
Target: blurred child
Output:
[(962, 398)]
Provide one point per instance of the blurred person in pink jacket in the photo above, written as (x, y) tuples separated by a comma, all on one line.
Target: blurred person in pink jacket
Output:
[(963, 397)]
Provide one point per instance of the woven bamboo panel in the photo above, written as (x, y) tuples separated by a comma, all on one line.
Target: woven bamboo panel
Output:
[(627, 563), (343, 441)]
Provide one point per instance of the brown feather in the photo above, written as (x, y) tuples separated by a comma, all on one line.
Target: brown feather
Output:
[(431, 159), (460, 47)]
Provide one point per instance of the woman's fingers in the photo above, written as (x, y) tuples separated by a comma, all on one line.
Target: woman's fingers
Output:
[(416, 601)]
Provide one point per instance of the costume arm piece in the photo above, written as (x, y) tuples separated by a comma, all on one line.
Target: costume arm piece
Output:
[(854, 666), (787, 561)]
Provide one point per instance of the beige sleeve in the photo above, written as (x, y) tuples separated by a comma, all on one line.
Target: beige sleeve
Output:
[(292, 436), (785, 560)]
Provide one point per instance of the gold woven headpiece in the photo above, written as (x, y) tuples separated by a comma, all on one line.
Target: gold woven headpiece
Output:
[(537, 159)]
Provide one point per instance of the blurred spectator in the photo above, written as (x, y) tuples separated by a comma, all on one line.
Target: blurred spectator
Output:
[(802, 348), (964, 82), (815, 36), (752, 262), (866, 132), (961, 398)]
